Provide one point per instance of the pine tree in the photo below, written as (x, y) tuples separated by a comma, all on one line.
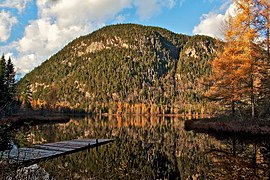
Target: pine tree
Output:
[(10, 79), (3, 90), (7, 81)]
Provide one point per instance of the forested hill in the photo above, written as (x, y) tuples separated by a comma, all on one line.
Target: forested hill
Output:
[(123, 67)]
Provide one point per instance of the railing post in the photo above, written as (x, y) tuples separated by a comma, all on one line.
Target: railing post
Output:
[(96, 144)]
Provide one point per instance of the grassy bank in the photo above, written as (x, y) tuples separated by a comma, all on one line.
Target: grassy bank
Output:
[(230, 125), (33, 118)]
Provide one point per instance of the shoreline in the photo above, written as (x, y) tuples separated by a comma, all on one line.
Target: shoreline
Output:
[(228, 126), (33, 119)]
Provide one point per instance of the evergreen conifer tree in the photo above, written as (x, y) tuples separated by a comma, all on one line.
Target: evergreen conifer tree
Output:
[(7, 81), (2, 81), (10, 79)]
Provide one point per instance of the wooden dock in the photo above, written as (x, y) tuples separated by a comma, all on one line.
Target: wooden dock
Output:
[(46, 151)]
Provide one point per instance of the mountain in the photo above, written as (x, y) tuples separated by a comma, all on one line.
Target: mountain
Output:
[(124, 67)]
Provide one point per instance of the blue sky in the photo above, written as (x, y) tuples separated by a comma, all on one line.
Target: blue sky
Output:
[(33, 30)]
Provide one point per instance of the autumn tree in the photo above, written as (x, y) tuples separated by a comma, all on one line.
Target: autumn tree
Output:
[(225, 87), (262, 9), (263, 23), (248, 36), (236, 69)]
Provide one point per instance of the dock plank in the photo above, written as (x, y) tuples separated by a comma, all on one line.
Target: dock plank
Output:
[(53, 148), (41, 152), (68, 146)]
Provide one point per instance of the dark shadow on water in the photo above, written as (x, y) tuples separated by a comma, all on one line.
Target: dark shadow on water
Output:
[(243, 154), (6, 138)]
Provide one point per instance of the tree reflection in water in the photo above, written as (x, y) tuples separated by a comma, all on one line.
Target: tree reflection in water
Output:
[(148, 148), (241, 158)]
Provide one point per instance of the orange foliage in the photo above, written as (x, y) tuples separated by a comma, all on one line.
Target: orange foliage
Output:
[(236, 69)]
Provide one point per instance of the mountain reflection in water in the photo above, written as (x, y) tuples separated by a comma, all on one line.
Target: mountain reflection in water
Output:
[(148, 148)]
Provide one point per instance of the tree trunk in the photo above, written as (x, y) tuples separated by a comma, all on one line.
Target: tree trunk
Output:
[(252, 97), (268, 31), (268, 44), (233, 108), (252, 100), (234, 147)]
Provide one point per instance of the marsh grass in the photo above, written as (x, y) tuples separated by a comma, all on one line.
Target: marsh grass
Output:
[(230, 125)]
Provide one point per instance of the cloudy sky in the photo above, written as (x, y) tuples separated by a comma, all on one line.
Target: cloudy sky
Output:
[(33, 30)]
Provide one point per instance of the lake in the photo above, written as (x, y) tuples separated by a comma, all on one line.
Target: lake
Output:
[(144, 148)]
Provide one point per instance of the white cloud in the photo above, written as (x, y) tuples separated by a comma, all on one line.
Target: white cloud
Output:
[(83, 12), (6, 23), (8, 55), (17, 4), (60, 21), (26, 63), (205, 1), (211, 24), (147, 8), (40, 36), (8, 48)]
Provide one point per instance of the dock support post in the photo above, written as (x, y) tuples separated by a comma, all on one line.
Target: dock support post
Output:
[(96, 144)]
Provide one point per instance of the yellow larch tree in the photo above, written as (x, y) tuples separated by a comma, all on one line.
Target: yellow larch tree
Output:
[(226, 87), (236, 69), (263, 23)]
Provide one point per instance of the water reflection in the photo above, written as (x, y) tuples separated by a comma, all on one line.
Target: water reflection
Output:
[(241, 158), (148, 148)]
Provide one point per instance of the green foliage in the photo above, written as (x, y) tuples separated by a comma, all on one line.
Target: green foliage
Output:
[(128, 63), (193, 67), (7, 81), (26, 94)]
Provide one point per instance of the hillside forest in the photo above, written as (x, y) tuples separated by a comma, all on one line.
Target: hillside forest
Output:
[(125, 69), (129, 68)]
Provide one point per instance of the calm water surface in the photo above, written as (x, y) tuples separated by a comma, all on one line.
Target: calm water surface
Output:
[(144, 148)]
